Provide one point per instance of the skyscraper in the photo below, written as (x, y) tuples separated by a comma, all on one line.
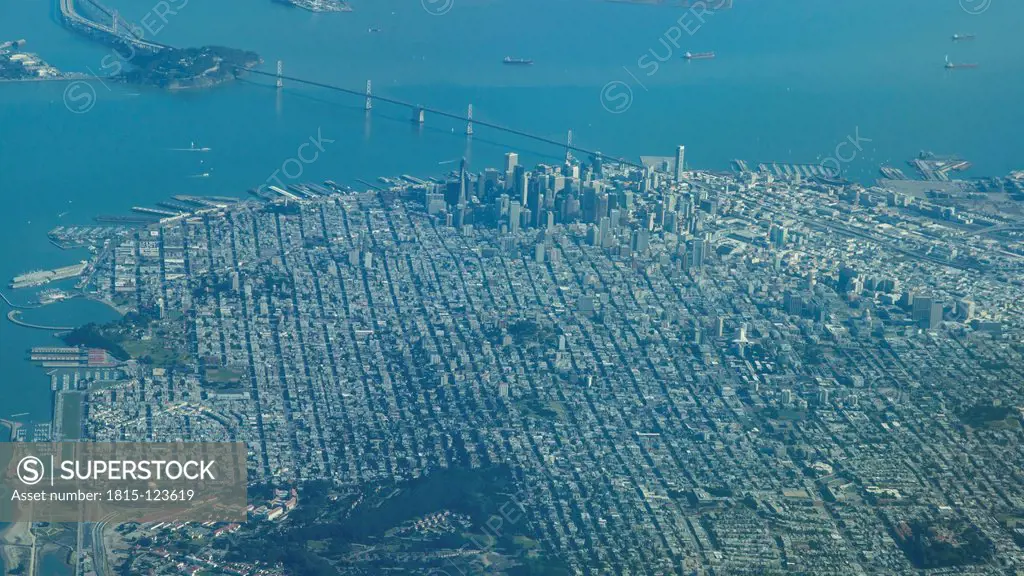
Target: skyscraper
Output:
[(777, 235), (589, 205), (537, 208), (521, 184), (462, 181), (641, 240), (927, 313), (697, 253), (680, 162), (511, 161), (846, 278), (490, 184), (513, 217)]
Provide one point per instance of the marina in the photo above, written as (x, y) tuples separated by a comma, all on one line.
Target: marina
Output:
[(73, 237)]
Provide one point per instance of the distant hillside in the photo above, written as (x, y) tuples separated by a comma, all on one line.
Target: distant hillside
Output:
[(177, 69)]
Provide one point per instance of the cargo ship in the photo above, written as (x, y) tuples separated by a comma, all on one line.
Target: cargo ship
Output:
[(957, 37), (518, 61), (699, 55)]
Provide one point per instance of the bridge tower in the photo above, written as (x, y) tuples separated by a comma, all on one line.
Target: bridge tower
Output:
[(369, 96), (568, 147), (419, 115), (280, 74), (469, 121)]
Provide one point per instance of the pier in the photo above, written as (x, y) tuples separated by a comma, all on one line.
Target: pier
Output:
[(16, 306), (12, 426), (15, 317)]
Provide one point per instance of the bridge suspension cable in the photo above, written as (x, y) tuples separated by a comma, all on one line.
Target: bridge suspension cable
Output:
[(460, 117)]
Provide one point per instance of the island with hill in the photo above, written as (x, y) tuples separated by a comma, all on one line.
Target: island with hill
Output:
[(189, 68)]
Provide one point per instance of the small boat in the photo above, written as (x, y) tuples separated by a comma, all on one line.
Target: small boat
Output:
[(951, 66), (192, 148)]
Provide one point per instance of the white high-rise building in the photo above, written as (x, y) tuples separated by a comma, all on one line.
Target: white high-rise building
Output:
[(680, 161), (511, 161)]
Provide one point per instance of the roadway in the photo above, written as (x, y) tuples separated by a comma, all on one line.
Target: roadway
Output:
[(67, 10), (99, 553), (997, 228)]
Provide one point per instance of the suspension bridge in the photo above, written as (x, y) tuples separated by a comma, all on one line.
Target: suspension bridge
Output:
[(121, 32), (420, 112), (118, 32)]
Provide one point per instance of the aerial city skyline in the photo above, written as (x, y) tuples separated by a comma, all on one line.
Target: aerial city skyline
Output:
[(454, 337)]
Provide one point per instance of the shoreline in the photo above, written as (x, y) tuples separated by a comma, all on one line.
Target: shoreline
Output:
[(122, 310), (8, 427), (68, 78)]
